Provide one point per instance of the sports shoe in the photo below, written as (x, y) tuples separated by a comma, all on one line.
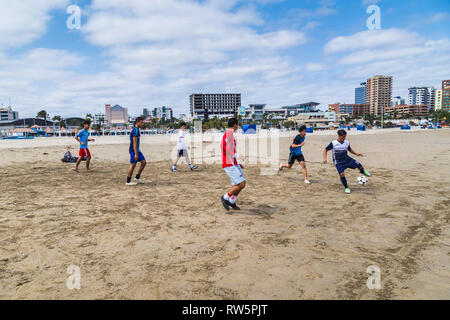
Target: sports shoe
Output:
[(280, 168), (132, 183), (139, 181), (307, 182), (193, 168), (175, 170), (348, 191), (226, 204), (234, 207), (367, 174)]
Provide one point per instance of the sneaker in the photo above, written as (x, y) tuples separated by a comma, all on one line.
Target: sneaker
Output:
[(175, 170), (139, 181), (280, 168), (348, 191), (132, 183), (367, 174), (307, 182), (234, 207), (226, 204), (193, 168)]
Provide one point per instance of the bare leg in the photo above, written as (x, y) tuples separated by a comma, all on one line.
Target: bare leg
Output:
[(305, 172), (176, 161), (141, 168), (186, 156), (286, 165), (88, 162), (235, 190), (131, 169), (77, 164)]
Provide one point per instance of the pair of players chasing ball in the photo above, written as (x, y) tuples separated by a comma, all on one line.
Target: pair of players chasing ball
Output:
[(340, 148)]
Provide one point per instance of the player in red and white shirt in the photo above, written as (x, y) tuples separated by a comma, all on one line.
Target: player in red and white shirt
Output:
[(231, 166)]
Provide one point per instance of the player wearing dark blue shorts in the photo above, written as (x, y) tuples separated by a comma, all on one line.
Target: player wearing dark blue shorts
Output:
[(136, 154), (341, 159), (296, 153)]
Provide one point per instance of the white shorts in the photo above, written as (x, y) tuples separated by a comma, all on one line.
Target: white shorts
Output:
[(236, 174)]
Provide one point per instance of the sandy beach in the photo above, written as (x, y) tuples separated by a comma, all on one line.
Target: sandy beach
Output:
[(171, 238)]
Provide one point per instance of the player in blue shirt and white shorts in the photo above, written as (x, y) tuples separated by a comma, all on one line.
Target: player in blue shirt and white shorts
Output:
[(341, 159)]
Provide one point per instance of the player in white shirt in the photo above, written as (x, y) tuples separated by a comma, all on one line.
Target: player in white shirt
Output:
[(182, 149)]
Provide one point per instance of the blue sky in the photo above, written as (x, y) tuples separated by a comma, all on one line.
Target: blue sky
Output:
[(144, 54)]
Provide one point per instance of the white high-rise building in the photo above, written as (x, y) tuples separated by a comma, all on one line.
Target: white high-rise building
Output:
[(398, 101), (422, 96)]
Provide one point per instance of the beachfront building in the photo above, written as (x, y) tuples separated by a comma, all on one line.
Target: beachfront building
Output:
[(361, 94), (315, 119), (350, 110), (6, 113), (163, 113), (446, 95), (412, 110), (422, 96), (220, 105), (397, 101), (116, 115), (255, 112), (379, 94), (99, 119)]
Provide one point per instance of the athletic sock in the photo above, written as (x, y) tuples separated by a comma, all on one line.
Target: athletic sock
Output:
[(128, 179), (174, 167), (190, 165), (227, 197), (362, 170), (138, 176), (344, 182), (233, 199)]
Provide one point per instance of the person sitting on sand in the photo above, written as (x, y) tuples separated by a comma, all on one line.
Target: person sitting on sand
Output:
[(182, 149), (341, 158), (297, 154), (83, 138), (136, 154), (231, 166)]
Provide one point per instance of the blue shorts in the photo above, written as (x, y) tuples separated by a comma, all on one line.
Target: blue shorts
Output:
[(236, 175), (348, 163), (140, 155)]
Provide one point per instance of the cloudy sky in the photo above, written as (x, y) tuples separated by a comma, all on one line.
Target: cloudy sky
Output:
[(148, 53)]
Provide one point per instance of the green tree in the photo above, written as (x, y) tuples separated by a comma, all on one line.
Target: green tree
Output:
[(42, 114)]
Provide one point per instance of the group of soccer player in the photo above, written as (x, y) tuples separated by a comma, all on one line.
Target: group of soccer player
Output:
[(231, 160)]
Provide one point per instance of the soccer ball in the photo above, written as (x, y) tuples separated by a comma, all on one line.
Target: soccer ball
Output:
[(363, 181)]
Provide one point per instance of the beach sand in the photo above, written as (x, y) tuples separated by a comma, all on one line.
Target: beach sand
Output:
[(171, 238)]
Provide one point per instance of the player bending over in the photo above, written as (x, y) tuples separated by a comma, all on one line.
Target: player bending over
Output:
[(231, 166), (182, 149), (83, 138), (296, 153), (136, 154), (342, 160)]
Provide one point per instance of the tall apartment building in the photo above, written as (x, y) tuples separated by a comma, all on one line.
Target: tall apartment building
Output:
[(379, 94), (163, 113), (446, 95), (397, 101), (218, 105), (8, 114), (115, 115), (361, 94), (349, 109), (438, 100), (146, 113), (422, 96)]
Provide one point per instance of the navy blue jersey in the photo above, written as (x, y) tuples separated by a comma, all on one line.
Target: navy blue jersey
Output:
[(135, 133), (340, 151)]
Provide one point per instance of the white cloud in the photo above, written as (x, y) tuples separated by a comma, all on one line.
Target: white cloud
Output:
[(315, 67), (24, 21)]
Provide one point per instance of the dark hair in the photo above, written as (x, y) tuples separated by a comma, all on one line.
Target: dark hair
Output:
[(302, 128), (232, 122), (342, 133), (87, 122), (139, 119), (182, 124)]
